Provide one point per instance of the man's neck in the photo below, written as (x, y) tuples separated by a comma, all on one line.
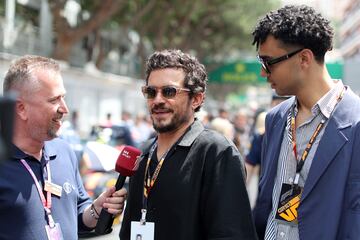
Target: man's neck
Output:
[(315, 89), (29, 146)]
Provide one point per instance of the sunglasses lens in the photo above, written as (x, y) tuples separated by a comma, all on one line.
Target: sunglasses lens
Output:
[(168, 92), (149, 92)]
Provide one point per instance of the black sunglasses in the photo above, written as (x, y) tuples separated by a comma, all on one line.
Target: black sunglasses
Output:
[(168, 92), (266, 63)]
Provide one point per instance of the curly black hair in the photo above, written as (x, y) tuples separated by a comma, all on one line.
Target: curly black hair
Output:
[(298, 26), (195, 73)]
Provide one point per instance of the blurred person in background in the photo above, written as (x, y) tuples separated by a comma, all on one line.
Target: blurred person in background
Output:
[(309, 185), (242, 131), (203, 117), (71, 136), (223, 126), (126, 119), (277, 99), (41, 192), (190, 184), (108, 121), (142, 130), (223, 113), (253, 158), (74, 120)]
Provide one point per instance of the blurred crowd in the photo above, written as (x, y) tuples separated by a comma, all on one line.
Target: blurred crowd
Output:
[(245, 128)]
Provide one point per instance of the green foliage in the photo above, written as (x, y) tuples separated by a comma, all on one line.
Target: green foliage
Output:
[(24, 13), (2, 8), (208, 28)]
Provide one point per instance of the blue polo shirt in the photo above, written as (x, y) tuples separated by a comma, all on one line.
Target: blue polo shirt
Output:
[(22, 215)]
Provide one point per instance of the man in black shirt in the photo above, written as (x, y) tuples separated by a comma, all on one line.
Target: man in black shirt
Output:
[(190, 183)]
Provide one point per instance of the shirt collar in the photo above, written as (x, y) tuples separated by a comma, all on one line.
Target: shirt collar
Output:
[(326, 103), (187, 138), (191, 134), (18, 154), (49, 152)]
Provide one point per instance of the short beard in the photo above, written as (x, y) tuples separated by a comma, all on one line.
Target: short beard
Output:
[(53, 133), (174, 124), (163, 129)]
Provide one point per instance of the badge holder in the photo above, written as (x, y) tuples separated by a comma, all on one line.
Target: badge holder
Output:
[(142, 230), (53, 230), (289, 201)]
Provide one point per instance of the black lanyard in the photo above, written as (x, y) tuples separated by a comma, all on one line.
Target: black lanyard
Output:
[(150, 180), (300, 162)]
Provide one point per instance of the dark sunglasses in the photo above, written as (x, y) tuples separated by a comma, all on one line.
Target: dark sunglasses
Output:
[(266, 63), (169, 92)]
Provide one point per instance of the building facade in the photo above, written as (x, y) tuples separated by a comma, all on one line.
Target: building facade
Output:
[(350, 42)]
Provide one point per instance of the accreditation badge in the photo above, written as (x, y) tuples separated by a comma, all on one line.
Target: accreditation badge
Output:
[(54, 233), (289, 201), (142, 231), (53, 188)]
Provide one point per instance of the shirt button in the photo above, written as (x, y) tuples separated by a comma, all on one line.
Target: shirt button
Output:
[(282, 234)]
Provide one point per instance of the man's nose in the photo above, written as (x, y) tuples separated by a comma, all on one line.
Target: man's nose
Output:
[(63, 107)]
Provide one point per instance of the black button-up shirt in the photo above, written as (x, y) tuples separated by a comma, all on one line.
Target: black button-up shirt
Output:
[(199, 194)]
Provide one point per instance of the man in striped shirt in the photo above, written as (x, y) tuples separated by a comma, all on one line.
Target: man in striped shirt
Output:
[(310, 180)]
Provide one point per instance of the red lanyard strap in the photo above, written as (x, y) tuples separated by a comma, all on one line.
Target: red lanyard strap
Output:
[(45, 201)]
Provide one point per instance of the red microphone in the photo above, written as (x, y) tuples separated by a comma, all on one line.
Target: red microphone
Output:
[(126, 164)]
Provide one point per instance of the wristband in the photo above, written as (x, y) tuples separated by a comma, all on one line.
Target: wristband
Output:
[(93, 212)]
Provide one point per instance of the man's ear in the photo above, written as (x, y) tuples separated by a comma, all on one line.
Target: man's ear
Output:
[(197, 100), (306, 58), (20, 109)]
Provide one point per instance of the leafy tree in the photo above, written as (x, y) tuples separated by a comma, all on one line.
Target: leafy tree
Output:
[(67, 36), (212, 29), (207, 27)]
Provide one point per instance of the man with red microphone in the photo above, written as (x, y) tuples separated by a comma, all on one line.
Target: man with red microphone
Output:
[(41, 192), (190, 184)]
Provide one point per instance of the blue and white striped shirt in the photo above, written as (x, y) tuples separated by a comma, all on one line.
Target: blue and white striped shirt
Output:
[(287, 163)]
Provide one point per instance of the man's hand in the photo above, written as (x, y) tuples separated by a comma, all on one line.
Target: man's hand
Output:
[(113, 201)]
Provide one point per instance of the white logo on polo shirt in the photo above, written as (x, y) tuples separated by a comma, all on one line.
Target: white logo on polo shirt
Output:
[(68, 187)]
